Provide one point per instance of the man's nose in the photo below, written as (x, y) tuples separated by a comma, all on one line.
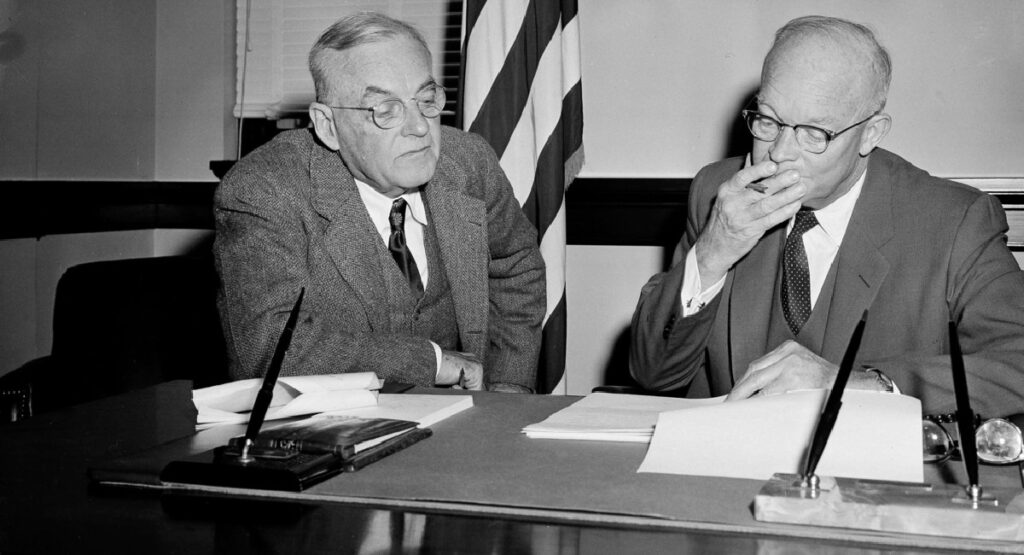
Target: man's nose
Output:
[(415, 122), (785, 146)]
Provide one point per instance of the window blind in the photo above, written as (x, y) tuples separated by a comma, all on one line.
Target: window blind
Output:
[(277, 83)]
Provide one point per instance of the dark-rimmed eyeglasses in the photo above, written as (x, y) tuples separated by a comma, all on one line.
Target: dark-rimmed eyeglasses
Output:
[(998, 440), (390, 113), (811, 138)]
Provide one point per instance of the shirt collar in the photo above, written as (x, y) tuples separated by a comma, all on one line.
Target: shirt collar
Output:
[(379, 205), (835, 218)]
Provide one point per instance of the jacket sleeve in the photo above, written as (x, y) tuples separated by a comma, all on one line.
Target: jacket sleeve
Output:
[(516, 277), (667, 350)]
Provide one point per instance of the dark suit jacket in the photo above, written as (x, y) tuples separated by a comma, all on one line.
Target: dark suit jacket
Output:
[(918, 251), (289, 216)]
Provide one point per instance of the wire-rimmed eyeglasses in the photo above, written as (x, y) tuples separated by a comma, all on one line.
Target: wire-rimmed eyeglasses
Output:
[(811, 138), (390, 113)]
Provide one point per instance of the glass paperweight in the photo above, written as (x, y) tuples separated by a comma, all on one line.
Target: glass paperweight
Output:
[(937, 444), (999, 441)]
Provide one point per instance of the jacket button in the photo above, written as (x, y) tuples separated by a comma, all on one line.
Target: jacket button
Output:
[(668, 326)]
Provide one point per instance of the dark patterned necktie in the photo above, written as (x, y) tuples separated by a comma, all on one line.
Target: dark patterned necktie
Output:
[(400, 250), (796, 280)]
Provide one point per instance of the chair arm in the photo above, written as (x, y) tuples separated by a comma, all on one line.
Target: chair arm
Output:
[(17, 386)]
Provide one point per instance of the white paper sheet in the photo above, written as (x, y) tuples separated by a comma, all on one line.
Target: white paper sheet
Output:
[(876, 436), (611, 417), (229, 403), (426, 409)]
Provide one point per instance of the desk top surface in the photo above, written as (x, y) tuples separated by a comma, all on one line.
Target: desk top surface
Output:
[(477, 484)]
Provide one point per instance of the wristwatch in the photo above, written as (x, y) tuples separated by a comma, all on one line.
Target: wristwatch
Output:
[(883, 380)]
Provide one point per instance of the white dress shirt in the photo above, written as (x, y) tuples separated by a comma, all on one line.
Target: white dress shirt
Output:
[(379, 208)]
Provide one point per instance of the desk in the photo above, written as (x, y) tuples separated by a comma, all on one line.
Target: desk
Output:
[(545, 496)]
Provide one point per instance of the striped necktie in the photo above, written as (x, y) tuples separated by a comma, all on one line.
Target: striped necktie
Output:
[(400, 250)]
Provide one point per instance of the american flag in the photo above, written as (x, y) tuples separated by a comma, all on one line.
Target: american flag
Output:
[(521, 90)]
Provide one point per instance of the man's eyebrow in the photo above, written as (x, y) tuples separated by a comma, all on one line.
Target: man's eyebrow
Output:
[(376, 91), (819, 122), (372, 91), (430, 82)]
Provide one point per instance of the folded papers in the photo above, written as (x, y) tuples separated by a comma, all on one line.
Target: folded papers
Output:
[(231, 402), (611, 417)]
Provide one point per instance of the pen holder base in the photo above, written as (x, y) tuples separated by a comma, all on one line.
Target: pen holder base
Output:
[(913, 508), (223, 467)]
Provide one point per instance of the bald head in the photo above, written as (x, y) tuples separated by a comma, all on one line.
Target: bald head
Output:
[(839, 58)]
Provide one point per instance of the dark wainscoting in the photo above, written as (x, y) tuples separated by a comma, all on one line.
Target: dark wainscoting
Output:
[(38, 208), (621, 211), (599, 211), (626, 211)]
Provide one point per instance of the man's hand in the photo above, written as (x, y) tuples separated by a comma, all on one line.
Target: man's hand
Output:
[(741, 215), (461, 370), (792, 366)]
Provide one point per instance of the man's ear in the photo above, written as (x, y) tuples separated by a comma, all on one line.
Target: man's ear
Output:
[(322, 118), (874, 132)]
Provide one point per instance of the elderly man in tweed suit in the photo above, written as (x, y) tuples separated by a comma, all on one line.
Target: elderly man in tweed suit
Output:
[(417, 261)]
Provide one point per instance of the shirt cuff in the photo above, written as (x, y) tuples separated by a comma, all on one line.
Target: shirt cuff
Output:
[(437, 359), (692, 297)]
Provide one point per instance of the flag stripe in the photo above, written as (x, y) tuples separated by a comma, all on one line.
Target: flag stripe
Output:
[(568, 9), (523, 94), (500, 111), (572, 119), (539, 120), (561, 155), (470, 14), (491, 35), (552, 352), (552, 248)]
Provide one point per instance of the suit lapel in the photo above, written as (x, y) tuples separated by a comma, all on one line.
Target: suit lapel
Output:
[(862, 266), (751, 298), (460, 223), (349, 237)]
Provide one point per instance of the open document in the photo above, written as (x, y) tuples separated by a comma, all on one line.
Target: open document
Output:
[(877, 436), (230, 403)]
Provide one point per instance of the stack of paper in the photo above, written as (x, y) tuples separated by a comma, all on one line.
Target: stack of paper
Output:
[(231, 402), (426, 410), (611, 417)]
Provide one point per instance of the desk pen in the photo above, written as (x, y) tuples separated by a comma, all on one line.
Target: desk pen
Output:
[(266, 393), (964, 416), (828, 416)]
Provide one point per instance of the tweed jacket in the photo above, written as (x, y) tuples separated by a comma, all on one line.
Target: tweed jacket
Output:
[(289, 216), (918, 252)]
